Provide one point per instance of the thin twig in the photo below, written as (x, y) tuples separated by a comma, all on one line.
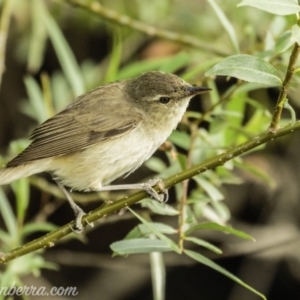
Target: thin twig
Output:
[(284, 89), (51, 238), (4, 26), (183, 201), (124, 20)]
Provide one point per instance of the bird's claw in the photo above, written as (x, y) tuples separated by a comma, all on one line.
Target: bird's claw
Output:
[(148, 187), (79, 214)]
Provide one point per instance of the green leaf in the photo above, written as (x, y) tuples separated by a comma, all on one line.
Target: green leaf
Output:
[(209, 188), (284, 42), (215, 226), (38, 38), (200, 68), (21, 190), (204, 244), (165, 239), (166, 64), (296, 34), (156, 164), (36, 99), (209, 263), (64, 54), (180, 138), (189, 216), (31, 263), (247, 87), (182, 159), (258, 121), (193, 114), (236, 105), (139, 246), (8, 215), (135, 69), (226, 24), (248, 68), (5, 238), (257, 171), (115, 58), (221, 210), (142, 230), (62, 96), (292, 112), (159, 208), (175, 63), (216, 212), (33, 227), (277, 7), (18, 146), (158, 274)]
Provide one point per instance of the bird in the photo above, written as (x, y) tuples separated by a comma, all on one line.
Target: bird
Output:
[(104, 134)]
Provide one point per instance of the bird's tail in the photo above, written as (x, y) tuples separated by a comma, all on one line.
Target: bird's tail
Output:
[(10, 174)]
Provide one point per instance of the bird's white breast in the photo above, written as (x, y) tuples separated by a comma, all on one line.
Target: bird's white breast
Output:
[(100, 164)]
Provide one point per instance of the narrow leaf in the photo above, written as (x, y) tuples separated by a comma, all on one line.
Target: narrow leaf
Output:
[(284, 42), (166, 64), (165, 239), (159, 208), (215, 226), (136, 68), (115, 58), (257, 171), (156, 164), (277, 7), (204, 244), (158, 275), (141, 230), (5, 238), (21, 190), (226, 24), (296, 33), (38, 38), (180, 138), (8, 215), (209, 188), (248, 68), (139, 246), (175, 63), (209, 263), (33, 227), (64, 54), (36, 99)]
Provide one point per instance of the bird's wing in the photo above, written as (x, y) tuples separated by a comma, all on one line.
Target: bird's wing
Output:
[(92, 118)]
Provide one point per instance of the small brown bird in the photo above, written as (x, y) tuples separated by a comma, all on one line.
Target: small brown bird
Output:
[(104, 134)]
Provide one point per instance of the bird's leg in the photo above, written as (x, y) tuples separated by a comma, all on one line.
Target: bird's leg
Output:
[(79, 213), (146, 186)]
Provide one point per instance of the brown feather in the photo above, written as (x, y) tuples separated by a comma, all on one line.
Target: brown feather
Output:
[(92, 118)]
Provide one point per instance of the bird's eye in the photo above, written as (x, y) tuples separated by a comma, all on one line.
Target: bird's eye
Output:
[(164, 100)]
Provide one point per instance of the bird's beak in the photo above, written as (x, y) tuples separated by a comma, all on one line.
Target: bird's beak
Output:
[(196, 90)]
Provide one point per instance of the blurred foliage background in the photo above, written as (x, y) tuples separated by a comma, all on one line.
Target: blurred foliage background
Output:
[(55, 51)]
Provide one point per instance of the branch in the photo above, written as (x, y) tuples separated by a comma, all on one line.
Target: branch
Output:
[(124, 20), (50, 239), (284, 89)]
